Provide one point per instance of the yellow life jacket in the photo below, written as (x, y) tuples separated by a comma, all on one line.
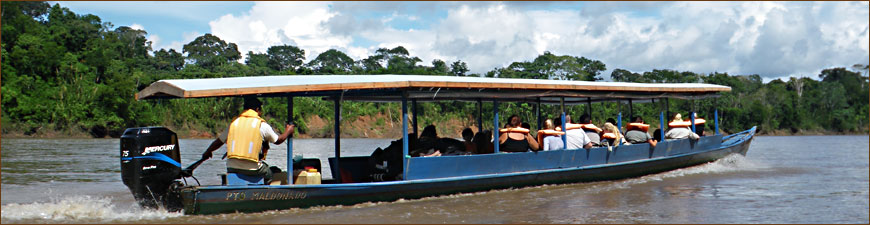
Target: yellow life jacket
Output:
[(244, 139)]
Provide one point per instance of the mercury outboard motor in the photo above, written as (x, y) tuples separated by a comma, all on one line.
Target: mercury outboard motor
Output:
[(151, 166)]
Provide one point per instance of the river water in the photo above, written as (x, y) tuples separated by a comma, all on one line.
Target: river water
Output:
[(796, 179)]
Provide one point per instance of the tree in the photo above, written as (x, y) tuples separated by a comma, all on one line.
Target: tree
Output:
[(209, 51), (550, 66), (622, 75), (852, 82), (257, 59), (285, 57), (439, 67), (332, 62), (458, 68), (133, 42), (168, 60)]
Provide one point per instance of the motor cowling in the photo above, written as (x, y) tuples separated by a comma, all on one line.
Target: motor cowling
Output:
[(150, 164)]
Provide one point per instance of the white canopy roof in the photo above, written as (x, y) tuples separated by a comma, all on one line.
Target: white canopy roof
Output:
[(378, 87)]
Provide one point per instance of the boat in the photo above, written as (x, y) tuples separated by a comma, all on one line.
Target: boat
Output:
[(420, 176)]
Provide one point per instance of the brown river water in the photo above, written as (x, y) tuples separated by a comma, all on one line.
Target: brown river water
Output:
[(789, 179)]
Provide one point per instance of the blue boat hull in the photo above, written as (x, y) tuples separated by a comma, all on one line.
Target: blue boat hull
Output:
[(513, 170)]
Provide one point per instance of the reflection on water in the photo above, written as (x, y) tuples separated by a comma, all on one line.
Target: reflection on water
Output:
[(780, 181)]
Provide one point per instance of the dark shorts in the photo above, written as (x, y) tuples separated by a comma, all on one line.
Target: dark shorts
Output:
[(262, 171)]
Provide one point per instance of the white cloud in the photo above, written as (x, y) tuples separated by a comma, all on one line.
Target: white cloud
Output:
[(773, 39), (137, 26), (280, 23)]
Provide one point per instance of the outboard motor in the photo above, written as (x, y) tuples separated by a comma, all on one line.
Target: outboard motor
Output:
[(151, 166)]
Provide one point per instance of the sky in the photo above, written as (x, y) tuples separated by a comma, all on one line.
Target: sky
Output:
[(772, 39)]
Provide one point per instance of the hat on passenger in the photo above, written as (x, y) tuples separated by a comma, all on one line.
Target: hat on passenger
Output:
[(678, 118)]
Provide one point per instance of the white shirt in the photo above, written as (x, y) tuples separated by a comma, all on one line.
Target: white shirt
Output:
[(553, 143), (681, 133), (268, 134), (577, 138)]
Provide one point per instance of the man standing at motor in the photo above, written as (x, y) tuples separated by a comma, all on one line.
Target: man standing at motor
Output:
[(246, 136)]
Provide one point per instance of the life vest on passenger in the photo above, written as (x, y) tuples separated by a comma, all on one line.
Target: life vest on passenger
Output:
[(544, 133), (686, 123), (641, 126), (570, 126), (514, 130), (608, 136), (244, 139), (590, 127)]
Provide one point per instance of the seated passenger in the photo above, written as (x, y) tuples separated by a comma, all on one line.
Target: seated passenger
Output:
[(611, 136), (575, 136), (637, 132), (386, 164), (470, 146), (483, 141), (699, 125), (426, 143), (680, 129), (514, 138), (593, 132), (550, 138)]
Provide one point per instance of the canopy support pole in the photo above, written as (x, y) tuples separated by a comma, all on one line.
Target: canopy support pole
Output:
[(668, 107), (692, 115), (662, 124), (337, 135), (589, 107), (619, 119), (495, 135), (405, 156), (564, 124), (716, 120), (479, 115), (414, 115), (290, 142), (538, 113)]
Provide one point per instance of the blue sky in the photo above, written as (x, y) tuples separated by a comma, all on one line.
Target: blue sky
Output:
[(773, 39)]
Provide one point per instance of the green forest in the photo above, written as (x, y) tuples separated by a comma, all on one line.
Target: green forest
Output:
[(65, 74)]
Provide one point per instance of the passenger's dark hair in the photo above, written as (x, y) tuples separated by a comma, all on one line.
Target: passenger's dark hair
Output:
[(253, 103), (429, 131), (585, 119), (611, 121), (637, 119), (558, 121), (657, 134), (526, 125), (511, 118), (467, 134)]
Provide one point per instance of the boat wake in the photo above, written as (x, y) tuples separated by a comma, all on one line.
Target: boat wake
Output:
[(80, 209), (729, 164)]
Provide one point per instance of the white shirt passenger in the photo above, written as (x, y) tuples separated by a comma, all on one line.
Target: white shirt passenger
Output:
[(553, 143), (681, 133), (577, 138)]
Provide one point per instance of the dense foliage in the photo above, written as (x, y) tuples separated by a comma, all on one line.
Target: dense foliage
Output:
[(63, 71)]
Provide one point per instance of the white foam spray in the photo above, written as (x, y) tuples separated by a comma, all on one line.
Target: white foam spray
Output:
[(78, 209), (729, 164)]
